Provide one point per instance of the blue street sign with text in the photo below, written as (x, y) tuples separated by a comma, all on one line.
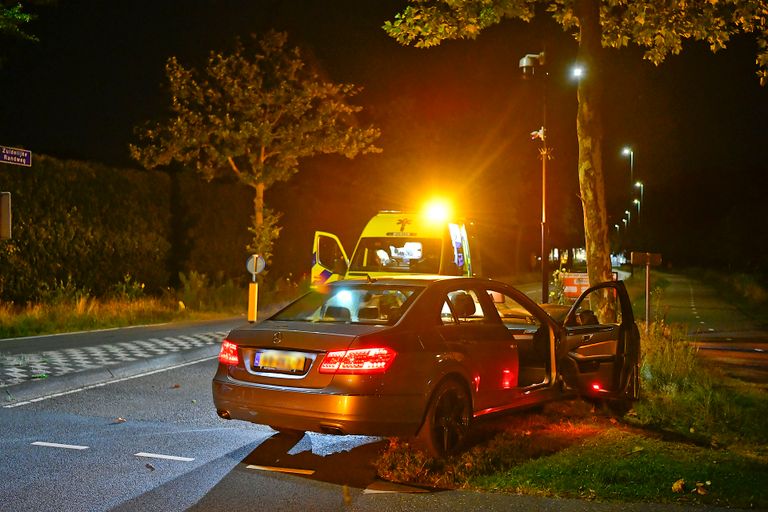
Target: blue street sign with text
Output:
[(15, 156)]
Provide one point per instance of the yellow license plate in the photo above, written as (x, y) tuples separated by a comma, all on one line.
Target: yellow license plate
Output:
[(280, 360)]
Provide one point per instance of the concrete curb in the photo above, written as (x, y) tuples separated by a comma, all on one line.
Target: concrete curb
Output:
[(36, 389)]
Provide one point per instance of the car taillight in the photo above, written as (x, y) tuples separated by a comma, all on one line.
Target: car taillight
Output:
[(228, 353), (362, 360)]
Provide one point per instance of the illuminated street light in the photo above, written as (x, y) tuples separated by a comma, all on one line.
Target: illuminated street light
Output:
[(640, 185), (627, 151), (637, 203), (625, 223), (528, 65), (577, 72), (628, 214)]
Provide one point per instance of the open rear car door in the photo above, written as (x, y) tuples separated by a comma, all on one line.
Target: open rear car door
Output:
[(329, 261), (600, 353)]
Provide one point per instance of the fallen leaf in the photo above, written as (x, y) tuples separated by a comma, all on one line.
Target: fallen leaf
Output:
[(194, 401), (636, 449), (176, 386), (614, 421), (701, 488), (679, 486), (150, 466), (119, 420)]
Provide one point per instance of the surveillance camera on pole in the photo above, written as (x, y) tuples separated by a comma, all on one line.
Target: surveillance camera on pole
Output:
[(530, 62)]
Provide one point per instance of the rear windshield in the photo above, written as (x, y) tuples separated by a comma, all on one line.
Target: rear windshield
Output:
[(364, 304), (397, 254)]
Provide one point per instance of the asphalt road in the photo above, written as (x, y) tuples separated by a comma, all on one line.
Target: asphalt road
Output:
[(143, 435), (154, 443), (725, 336)]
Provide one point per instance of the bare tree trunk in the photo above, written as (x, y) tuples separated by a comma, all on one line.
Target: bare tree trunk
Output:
[(589, 128), (258, 205), (590, 134)]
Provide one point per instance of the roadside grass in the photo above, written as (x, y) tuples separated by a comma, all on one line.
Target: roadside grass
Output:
[(89, 313), (693, 430), (69, 309)]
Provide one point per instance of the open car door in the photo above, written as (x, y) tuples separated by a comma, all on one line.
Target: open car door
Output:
[(329, 261), (600, 353)]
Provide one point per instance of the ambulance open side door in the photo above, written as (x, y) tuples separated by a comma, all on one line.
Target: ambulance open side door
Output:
[(329, 260)]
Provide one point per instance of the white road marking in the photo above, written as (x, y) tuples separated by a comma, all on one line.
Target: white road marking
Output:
[(165, 457), (295, 471), (58, 445), (101, 384)]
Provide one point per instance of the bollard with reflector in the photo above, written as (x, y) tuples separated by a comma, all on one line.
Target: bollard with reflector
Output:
[(255, 266)]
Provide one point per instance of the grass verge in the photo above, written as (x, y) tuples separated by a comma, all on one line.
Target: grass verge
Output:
[(694, 437)]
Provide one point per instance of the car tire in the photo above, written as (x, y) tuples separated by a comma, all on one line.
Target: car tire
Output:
[(619, 406), (447, 420)]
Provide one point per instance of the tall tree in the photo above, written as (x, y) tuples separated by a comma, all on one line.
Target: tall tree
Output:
[(12, 16), (658, 26), (254, 114)]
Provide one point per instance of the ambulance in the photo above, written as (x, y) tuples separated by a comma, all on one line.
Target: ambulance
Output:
[(398, 243)]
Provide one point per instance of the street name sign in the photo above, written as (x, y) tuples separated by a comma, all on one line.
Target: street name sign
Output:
[(15, 156)]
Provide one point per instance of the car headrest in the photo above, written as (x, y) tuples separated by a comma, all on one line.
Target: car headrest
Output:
[(463, 305)]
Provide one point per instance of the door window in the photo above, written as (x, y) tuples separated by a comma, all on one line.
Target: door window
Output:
[(329, 253), (465, 307), (513, 314), (598, 307)]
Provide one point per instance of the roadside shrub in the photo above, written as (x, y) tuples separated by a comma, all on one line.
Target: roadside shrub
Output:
[(198, 293), (85, 225), (127, 290)]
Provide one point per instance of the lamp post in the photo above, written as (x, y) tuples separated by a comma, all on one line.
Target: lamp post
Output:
[(627, 151), (528, 65), (640, 185), (637, 203), (629, 215)]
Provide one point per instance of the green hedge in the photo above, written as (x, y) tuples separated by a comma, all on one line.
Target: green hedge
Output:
[(84, 226)]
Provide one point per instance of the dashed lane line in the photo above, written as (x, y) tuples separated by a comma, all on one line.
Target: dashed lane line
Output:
[(164, 457), (58, 445)]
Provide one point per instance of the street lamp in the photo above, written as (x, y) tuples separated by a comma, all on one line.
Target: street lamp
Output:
[(577, 72), (627, 151), (637, 203), (528, 65), (640, 185), (629, 215)]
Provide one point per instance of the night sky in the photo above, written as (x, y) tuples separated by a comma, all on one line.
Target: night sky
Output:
[(455, 119)]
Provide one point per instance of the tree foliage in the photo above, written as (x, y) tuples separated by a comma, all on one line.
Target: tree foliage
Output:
[(12, 17), (660, 27), (254, 114)]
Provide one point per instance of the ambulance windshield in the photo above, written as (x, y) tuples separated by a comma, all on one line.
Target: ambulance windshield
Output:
[(397, 255)]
